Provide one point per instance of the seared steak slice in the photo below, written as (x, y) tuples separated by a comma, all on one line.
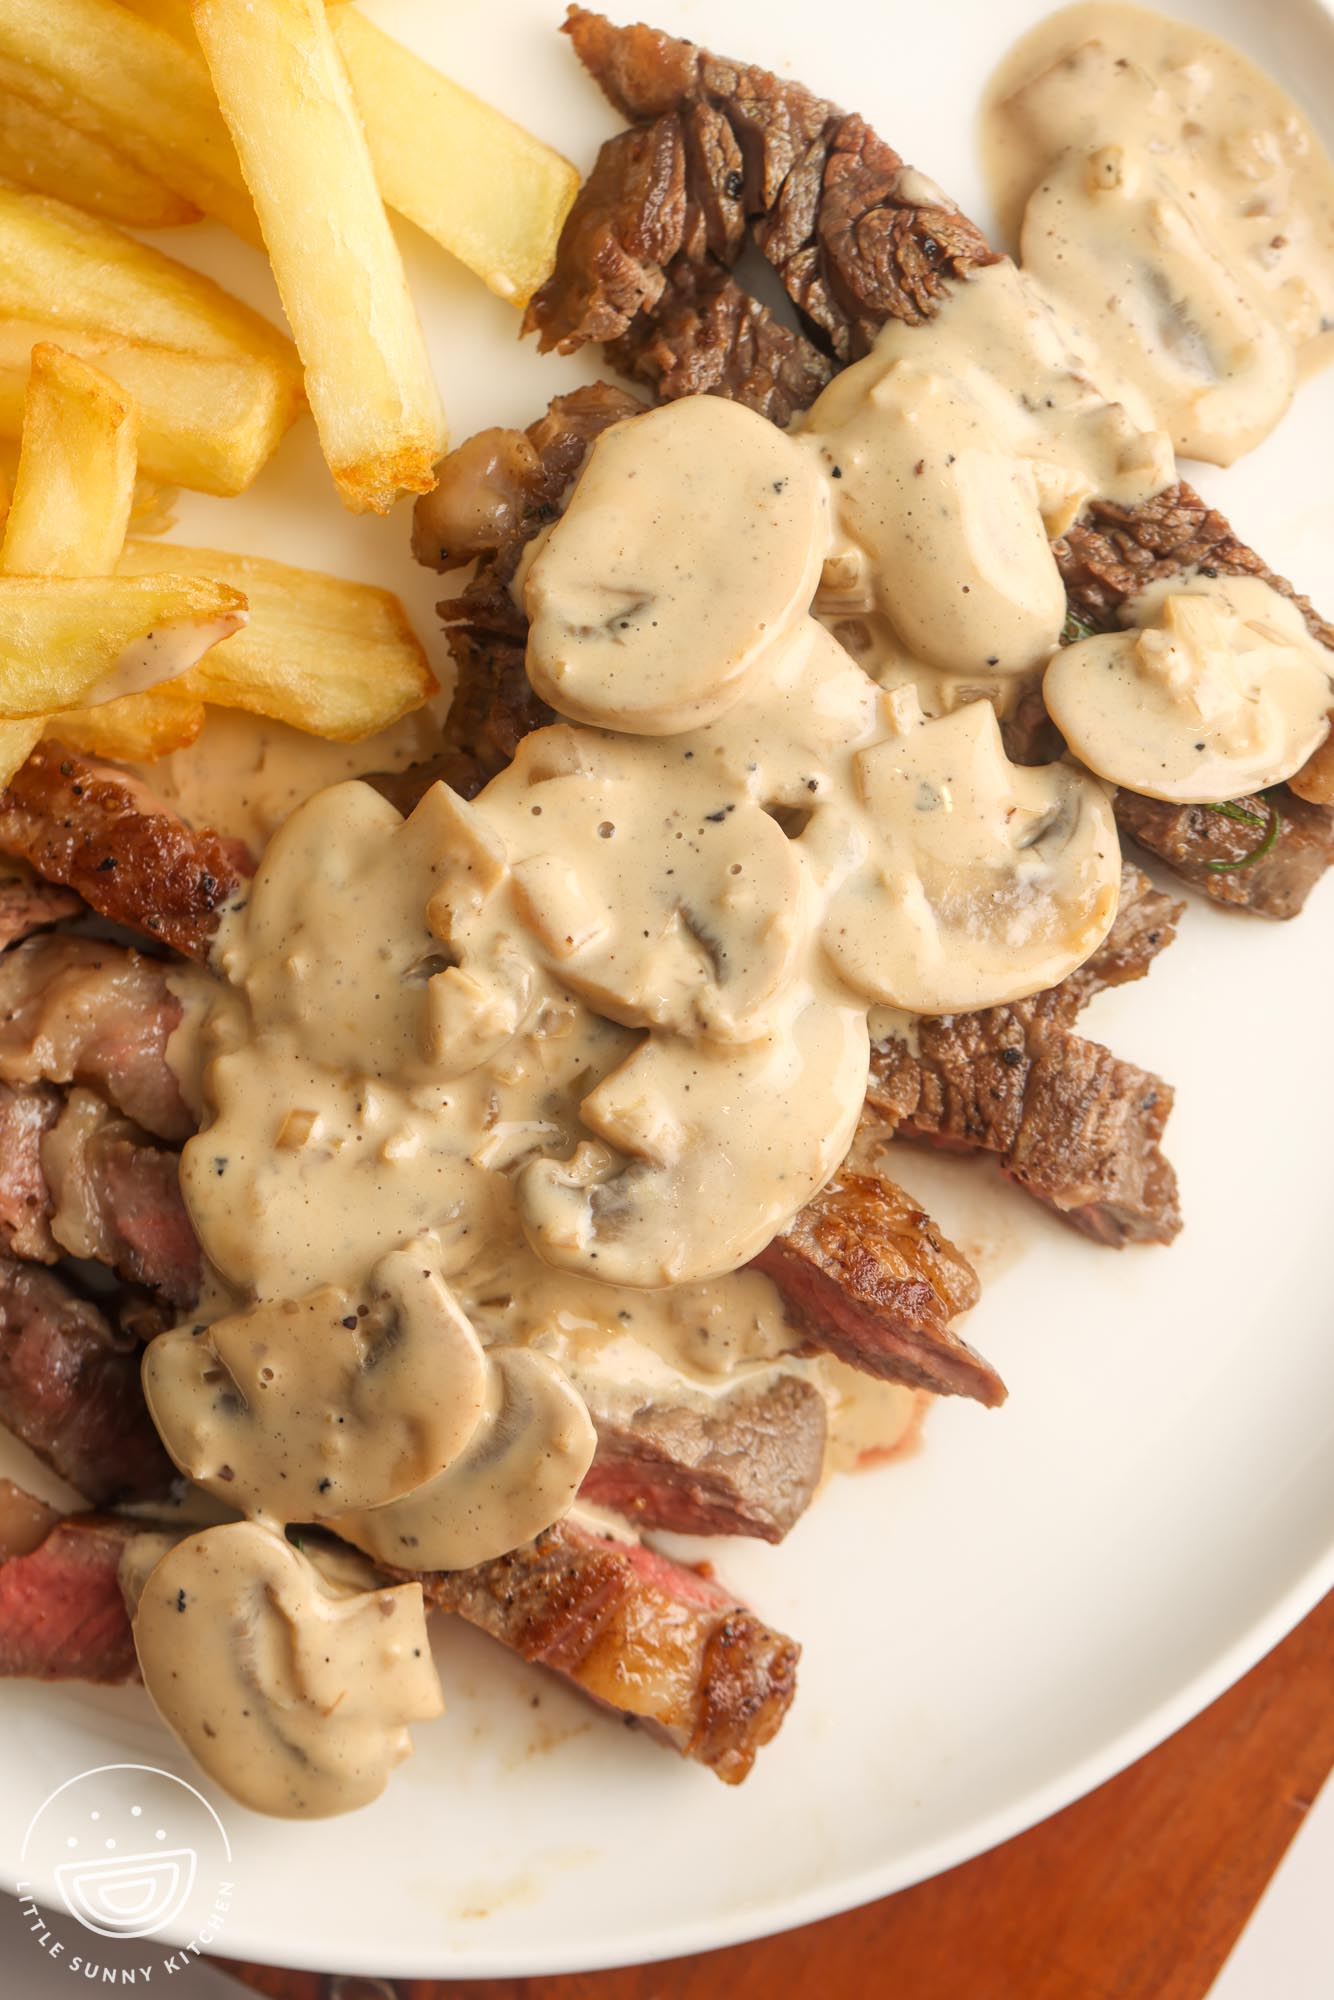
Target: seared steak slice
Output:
[(62, 1616), (748, 1467), (706, 337), (26, 1113), (867, 1276), (855, 237), (28, 904), (80, 1010), (100, 832), (1071, 1123), (646, 1637), (117, 1198), (1108, 557), (1230, 854), (69, 1388), (1114, 552)]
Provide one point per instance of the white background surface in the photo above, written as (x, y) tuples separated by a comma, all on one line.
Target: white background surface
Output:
[(999, 1623)]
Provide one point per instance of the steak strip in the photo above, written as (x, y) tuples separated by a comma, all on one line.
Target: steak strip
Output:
[(28, 904), (70, 1389), (1076, 1127), (644, 1636), (131, 860), (62, 1616)]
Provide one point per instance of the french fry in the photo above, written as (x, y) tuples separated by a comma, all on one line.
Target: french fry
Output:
[(59, 264), (18, 740), (489, 192), (75, 481), (286, 99), (206, 421), (69, 642), (334, 658), (486, 190), (133, 730), (44, 155), (129, 83)]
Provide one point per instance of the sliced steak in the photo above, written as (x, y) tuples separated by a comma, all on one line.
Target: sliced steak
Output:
[(1072, 1124), (856, 237), (100, 832), (867, 1276), (70, 1389), (750, 1466), (80, 1010), (646, 1637), (117, 1198), (27, 1111), (1264, 854), (707, 337), (28, 904), (62, 1616)]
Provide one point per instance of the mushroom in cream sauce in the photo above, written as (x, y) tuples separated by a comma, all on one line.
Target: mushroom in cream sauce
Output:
[(292, 1691), (1177, 204), (1216, 690)]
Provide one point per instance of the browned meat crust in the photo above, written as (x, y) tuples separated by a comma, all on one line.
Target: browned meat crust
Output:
[(854, 242), (707, 337), (80, 1010), (62, 1616), (27, 1112), (1072, 1124), (750, 1467), (69, 1388), (1113, 552), (1213, 850), (132, 860), (642, 1635), (868, 1276), (28, 904)]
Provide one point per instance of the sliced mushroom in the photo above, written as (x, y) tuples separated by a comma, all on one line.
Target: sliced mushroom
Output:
[(1113, 234), (690, 548), (519, 1472), (1220, 692), (303, 1409), (293, 1693), (707, 1182), (986, 880)]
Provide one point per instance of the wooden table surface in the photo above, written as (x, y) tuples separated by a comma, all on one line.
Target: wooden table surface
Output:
[(1137, 1892)]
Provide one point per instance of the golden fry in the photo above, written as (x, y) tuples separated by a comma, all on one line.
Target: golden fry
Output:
[(287, 101), (131, 84), (66, 642), (75, 480), (18, 740), (135, 729), (206, 422), (44, 155), (334, 658), (482, 186), (58, 264)]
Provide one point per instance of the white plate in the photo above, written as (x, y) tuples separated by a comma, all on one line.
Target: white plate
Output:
[(1004, 1620)]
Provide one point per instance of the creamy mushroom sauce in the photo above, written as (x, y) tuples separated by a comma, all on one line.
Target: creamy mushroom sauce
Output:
[(1177, 204), (500, 1099)]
